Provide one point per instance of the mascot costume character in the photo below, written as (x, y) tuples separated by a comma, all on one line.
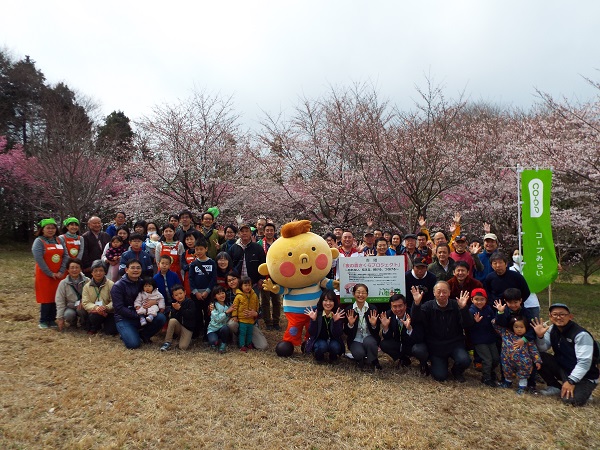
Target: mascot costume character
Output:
[(296, 266)]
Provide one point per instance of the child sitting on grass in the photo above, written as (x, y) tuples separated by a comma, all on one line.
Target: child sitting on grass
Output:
[(149, 293), (245, 300), (218, 331), (517, 360), (183, 319)]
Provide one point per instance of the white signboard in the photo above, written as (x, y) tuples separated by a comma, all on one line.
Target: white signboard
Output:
[(383, 275)]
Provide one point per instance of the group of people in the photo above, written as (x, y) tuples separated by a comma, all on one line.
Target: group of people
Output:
[(200, 281)]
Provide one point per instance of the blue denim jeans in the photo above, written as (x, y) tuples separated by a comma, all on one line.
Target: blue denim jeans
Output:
[(439, 363), (322, 346), (222, 334), (133, 334), (47, 312)]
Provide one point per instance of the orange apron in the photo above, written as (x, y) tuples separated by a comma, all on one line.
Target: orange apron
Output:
[(45, 286), (172, 250), (189, 258), (73, 246)]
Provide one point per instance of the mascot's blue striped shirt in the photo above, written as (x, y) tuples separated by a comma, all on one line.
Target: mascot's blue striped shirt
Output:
[(296, 300)]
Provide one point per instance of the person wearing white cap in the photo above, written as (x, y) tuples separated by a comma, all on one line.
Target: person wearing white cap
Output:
[(490, 246)]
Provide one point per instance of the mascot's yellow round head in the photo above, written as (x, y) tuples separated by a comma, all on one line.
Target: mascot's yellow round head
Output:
[(298, 258)]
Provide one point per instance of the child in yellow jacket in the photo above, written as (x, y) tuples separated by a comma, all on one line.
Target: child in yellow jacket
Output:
[(245, 300)]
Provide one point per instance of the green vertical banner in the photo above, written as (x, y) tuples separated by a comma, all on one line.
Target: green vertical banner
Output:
[(540, 267)]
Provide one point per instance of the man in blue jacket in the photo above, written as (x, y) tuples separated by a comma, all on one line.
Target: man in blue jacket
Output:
[(135, 252), (123, 295)]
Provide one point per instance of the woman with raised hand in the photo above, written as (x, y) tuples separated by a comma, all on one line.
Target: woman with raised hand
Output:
[(362, 328)]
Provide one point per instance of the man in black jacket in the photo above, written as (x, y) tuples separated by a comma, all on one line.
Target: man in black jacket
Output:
[(247, 256), (398, 334), (444, 320), (572, 371), (420, 277), (94, 242)]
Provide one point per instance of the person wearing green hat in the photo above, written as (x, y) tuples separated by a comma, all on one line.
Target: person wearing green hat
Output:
[(70, 239), (50, 264), (214, 237)]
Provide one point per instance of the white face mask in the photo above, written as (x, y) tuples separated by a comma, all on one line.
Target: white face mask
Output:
[(518, 259)]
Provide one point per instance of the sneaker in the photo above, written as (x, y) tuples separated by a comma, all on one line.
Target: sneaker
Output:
[(404, 362), (43, 326), (490, 383), (52, 324), (222, 347), (149, 319), (505, 384), (550, 391), (250, 346), (532, 390), (520, 391), (213, 347), (244, 349), (165, 347), (459, 377), (143, 321)]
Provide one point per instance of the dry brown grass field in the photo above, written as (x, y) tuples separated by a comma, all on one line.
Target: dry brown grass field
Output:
[(69, 390)]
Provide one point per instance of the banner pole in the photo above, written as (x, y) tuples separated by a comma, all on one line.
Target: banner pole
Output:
[(519, 206)]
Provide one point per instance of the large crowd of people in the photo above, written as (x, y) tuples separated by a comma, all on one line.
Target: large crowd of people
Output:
[(465, 302)]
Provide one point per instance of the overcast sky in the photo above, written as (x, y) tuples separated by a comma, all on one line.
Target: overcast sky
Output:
[(131, 55)]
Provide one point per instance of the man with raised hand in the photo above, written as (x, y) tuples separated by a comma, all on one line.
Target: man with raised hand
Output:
[(443, 320), (572, 371)]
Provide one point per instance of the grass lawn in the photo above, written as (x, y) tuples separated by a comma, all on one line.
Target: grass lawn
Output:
[(69, 390)]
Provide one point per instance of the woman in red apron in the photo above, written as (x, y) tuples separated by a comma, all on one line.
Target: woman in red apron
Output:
[(171, 248), (187, 258), (70, 239), (50, 263)]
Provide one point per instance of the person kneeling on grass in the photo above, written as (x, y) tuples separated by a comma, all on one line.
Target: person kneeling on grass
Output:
[(124, 293), (218, 332), (183, 319), (97, 301), (400, 340), (444, 319), (245, 300), (326, 328), (572, 371)]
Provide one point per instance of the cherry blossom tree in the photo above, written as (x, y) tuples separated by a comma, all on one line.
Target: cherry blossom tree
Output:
[(190, 151)]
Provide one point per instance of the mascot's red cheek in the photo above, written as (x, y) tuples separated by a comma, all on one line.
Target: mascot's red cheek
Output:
[(287, 269), (321, 261)]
